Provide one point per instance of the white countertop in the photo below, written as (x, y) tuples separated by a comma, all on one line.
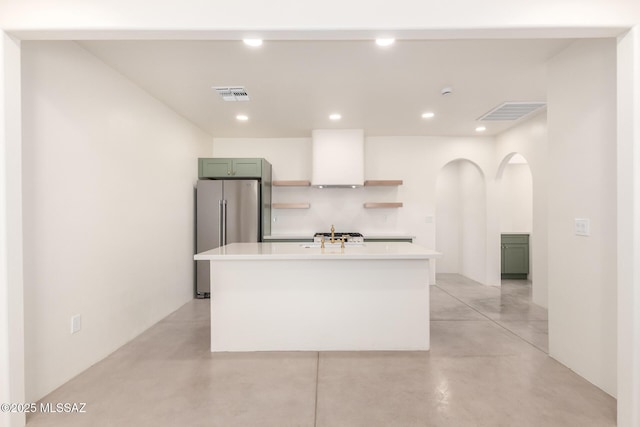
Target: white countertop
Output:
[(290, 237), (292, 251), (310, 236), (388, 236)]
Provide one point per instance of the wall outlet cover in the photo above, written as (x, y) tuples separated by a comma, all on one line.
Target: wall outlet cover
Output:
[(582, 227)]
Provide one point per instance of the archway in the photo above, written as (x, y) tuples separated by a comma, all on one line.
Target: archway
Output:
[(515, 205), (461, 228)]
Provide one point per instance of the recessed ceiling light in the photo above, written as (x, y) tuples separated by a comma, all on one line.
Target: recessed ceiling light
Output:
[(427, 115), (242, 117), (385, 42), (253, 42), (481, 129), (335, 116)]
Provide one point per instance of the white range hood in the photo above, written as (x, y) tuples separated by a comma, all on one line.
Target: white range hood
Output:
[(338, 157)]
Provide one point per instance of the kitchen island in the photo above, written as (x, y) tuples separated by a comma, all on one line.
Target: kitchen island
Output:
[(293, 296)]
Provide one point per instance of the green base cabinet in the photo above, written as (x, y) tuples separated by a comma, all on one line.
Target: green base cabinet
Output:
[(515, 256)]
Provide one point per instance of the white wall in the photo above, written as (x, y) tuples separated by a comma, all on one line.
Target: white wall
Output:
[(628, 145), (448, 213), (516, 199), (11, 271), (108, 210), (530, 139), (582, 171), (473, 229)]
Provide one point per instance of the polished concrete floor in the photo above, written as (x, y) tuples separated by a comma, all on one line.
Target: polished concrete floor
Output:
[(487, 367)]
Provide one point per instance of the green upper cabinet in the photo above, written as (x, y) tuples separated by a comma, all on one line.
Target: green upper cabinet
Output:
[(229, 168), (515, 256)]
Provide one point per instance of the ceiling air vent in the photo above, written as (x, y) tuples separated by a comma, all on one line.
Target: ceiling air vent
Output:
[(511, 111), (236, 93)]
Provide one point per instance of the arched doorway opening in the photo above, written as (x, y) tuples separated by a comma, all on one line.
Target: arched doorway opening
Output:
[(461, 229), (515, 207)]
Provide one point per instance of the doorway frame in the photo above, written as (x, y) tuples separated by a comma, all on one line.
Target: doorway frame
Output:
[(486, 279), (504, 163), (628, 168)]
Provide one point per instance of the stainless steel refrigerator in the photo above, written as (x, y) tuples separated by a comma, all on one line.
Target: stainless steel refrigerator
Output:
[(227, 211)]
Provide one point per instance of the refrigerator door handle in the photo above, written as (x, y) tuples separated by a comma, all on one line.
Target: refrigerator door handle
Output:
[(224, 222), (220, 224)]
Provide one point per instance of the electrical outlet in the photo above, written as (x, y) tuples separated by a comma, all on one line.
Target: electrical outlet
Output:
[(428, 219), (582, 227), (76, 323)]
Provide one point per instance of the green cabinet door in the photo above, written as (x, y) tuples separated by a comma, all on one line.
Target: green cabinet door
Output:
[(229, 168), (214, 168), (515, 256), (246, 168)]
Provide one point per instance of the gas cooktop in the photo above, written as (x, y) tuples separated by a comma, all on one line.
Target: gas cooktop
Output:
[(348, 236)]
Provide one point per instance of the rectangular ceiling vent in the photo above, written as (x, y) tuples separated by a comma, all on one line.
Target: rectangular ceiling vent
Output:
[(236, 93), (510, 111)]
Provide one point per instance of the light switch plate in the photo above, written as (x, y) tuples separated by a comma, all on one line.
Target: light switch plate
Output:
[(76, 323), (582, 227)]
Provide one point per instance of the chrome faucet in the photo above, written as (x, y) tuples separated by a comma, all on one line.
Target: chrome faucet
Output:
[(333, 230)]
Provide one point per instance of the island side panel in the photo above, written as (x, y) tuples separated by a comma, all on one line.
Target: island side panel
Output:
[(280, 305)]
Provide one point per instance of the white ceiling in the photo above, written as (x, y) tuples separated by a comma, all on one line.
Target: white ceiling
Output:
[(295, 85)]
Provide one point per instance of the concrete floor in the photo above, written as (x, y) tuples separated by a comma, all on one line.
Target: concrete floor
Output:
[(487, 367)]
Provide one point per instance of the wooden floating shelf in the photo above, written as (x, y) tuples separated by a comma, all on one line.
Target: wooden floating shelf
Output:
[(290, 205), (383, 205), (298, 183), (382, 182)]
